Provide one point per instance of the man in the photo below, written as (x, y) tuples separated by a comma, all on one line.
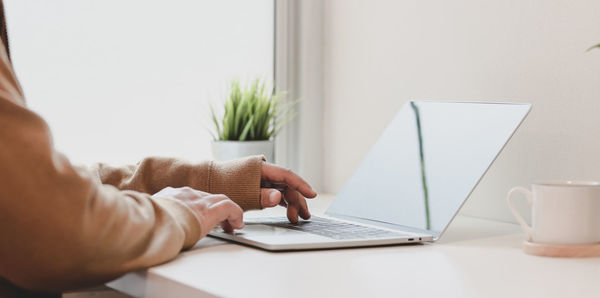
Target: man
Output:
[(65, 227)]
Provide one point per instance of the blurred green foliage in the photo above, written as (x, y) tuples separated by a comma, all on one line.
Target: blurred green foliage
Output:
[(252, 113)]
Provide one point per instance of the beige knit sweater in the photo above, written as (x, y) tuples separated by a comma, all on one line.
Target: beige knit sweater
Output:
[(64, 227)]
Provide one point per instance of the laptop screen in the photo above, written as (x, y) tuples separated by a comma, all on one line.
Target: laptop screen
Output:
[(427, 162)]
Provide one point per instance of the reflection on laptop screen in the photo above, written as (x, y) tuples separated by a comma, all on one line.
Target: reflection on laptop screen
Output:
[(427, 162)]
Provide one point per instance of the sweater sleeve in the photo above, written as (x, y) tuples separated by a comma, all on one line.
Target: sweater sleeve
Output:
[(238, 179), (60, 227)]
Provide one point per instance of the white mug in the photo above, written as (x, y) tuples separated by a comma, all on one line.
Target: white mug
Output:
[(563, 212)]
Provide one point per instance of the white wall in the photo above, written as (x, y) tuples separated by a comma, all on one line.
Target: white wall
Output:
[(379, 54), (121, 80), (299, 71)]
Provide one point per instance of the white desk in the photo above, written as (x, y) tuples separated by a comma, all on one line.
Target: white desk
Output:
[(476, 258)]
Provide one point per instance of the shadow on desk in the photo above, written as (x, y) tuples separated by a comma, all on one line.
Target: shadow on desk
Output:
[(465, 228)]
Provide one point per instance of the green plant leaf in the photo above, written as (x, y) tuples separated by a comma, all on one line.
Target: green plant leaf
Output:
[(246, 129), (216, 122), (593, 47), (252, 112)]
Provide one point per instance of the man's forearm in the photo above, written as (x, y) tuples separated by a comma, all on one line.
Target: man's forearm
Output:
[(62, 229), (238, 179)]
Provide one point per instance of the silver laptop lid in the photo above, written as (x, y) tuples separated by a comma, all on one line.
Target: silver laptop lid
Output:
[(427, 162)]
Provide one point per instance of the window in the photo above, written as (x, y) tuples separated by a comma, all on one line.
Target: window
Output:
[(121, 80)]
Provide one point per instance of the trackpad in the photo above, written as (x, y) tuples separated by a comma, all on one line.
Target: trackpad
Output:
[(275, 235)]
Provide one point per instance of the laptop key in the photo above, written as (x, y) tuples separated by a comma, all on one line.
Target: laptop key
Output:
[(333, 229)]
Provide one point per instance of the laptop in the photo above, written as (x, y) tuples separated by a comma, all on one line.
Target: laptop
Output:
[(409, 186)]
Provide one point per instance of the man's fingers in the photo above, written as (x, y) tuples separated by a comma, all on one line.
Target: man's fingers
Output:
[(292, 213), (297, 200), (270, 197), (283, 203), (210, 210), (304, 212), (296, 206), (278, 174), (227, 210), (226, 226), (213, 199)]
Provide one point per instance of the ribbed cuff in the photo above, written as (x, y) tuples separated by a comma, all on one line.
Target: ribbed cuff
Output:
[(239, 180)]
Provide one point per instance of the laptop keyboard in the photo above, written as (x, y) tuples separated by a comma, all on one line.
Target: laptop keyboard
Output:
[(333, 229)]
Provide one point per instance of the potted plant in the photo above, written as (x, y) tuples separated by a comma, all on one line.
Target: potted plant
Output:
[(252, 117)]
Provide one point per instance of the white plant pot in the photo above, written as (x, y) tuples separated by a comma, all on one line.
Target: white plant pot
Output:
[(228, 150)]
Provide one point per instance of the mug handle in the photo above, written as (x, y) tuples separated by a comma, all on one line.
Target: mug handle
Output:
[(514, 211)]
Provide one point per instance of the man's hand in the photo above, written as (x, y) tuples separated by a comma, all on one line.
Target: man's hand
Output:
[(282, 187), (210, 209)]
